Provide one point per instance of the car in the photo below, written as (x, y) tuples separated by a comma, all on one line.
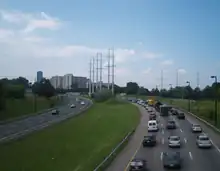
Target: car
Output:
[(152, 116), (72, 106), (171, 124), (55, 112), (138, 165), (82, 103), (149, 140), (174, 141), (153, 125), (196, 128), (171, 160), (174, 112), (181, 115), (203, 141)]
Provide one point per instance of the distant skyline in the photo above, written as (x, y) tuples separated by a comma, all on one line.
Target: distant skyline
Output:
[(148, 36)]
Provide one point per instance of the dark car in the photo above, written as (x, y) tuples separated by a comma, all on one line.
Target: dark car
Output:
[(152, 116), (171, 124), (174, 112), (55, 112), (149, 140), (181, 115), (171, 160), (138, 165)]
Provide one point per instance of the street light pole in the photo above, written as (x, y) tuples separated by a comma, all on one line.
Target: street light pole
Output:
[(216, 100), (188, 82), (171, 93)]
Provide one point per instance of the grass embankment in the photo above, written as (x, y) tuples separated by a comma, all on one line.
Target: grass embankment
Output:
[(201, 108), (78, 144), (20, 107)]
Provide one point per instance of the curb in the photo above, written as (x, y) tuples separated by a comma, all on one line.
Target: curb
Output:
[(104, 164)]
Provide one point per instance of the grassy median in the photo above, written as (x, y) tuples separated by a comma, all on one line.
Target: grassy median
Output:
[(78, 144)]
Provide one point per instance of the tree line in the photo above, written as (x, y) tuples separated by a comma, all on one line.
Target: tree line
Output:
[(16, 89)]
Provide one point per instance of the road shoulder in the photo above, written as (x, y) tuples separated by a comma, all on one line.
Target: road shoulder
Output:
[(121, 161)]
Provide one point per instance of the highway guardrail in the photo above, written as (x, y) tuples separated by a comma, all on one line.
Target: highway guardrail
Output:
[(104, 164)]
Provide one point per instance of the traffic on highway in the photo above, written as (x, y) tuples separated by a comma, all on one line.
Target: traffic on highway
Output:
[(174, 142)]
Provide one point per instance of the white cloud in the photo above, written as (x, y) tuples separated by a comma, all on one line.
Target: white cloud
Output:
[(147, 71), (167, 62), (31, 21), (181, 71), (4, 33), (152, 55)]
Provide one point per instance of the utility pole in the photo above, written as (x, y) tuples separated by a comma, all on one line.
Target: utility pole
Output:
[(108, 58), (177, 78), (216, 99), (113, 71), (197, 79), (97, 71), (90, 77), (161, 85), (100, 71), (93, 74)]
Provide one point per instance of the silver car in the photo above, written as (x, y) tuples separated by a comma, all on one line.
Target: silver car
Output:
[(203, 141), (196, 128), (174, 141)]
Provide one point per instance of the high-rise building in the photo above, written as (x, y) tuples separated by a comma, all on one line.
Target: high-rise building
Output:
[(67, 81), (39, 76), (57, 81), (80, 81)]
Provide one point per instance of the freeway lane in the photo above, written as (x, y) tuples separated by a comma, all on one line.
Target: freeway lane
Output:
[(194, 159), (22, 127)]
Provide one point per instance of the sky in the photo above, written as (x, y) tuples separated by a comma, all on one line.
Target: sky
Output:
[(148, 36)]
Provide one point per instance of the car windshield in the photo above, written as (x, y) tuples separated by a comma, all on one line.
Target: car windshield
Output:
[(174, 138), (172, 156), (171, 122), (203, 138), (197, 126)]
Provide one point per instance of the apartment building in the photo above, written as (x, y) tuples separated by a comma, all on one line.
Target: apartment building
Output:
[(67, 81), (57, 81), (80, 81)]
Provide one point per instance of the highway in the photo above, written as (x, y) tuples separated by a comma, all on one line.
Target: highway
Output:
[(194, 159), (19, 128)]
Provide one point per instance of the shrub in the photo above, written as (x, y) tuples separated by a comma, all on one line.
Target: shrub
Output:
[(102, 95)]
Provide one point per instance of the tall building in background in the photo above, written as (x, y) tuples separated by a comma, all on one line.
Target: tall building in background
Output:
[(57, 82), (39, 76), (67, 81), (80, 81)]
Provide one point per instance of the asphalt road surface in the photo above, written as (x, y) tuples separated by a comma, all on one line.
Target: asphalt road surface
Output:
[(25, 126), (194, 159)]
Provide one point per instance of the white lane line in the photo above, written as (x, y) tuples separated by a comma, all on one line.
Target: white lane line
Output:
[(181, 130), (215, 146), (162, 141), (185, 140), (161, 156), (161, 124), (190, 155), (162, 131)]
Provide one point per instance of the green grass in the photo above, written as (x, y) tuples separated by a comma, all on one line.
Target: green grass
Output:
[(19, 107), (78, 144), (202, 108)]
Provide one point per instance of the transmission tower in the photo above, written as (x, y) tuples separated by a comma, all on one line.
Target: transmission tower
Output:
[(93, 74), (113, 70), (108, 66), (100, 71), (197, 79), (90, 77), (97, 71)]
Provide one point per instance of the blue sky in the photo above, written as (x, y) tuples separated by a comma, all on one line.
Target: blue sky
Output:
[(148, 36)]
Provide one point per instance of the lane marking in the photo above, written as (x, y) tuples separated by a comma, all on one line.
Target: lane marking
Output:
[(190, 155), (161, 124), (161, 156), (181, 130), (162, 131), (215, 146), (185, 140), (132, 157), (162, 141)]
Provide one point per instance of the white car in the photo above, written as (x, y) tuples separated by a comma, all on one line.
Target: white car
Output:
[(72, 106), (196, 128), (152, 125), (203, 141), (82, 103), (174, 141)]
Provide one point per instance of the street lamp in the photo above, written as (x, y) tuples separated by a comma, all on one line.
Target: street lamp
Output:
[(188, 82), (216, 100)]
